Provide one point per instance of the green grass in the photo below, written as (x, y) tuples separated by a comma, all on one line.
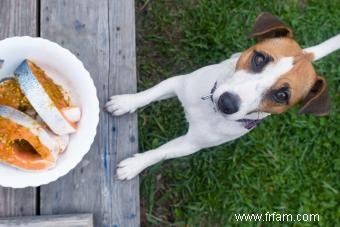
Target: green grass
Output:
[(289, 164)]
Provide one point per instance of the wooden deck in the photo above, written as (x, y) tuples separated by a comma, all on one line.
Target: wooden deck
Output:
[(102, 34)]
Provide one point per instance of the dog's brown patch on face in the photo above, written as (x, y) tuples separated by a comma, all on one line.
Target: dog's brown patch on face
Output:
[(298, 81), (275, 48)]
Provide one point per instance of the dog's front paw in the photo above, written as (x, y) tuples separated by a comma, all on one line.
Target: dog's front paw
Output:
[(130, 167), (122, 104)]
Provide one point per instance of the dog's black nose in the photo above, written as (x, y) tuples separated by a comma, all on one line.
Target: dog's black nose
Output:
[(228, 103)]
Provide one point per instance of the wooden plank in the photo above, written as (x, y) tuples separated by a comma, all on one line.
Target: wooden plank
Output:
[(123, 130), (17, 18), (93, 30), (75, 220), (84, 31)]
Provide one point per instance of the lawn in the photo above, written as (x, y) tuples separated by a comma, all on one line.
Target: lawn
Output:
[(289, 164)]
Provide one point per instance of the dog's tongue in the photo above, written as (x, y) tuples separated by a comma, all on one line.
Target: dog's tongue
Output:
[(249, 123)]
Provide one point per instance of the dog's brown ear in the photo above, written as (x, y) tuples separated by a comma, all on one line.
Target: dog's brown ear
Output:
[(318, 101), (269, 26)]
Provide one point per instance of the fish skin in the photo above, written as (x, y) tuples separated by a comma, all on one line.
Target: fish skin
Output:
[(40, 100), (55, 144), (72, 114)]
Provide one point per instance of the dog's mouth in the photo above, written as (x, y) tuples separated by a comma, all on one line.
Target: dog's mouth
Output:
[(252, 119), (249, 123)]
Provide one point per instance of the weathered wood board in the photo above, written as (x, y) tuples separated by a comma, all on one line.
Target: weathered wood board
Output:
[(17, 18), (77, 220), (123, 137), (101, 34)]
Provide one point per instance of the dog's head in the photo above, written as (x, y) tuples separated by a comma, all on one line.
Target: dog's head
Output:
[(273, 75)]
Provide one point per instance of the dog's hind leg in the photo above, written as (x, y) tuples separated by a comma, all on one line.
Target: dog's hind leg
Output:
[(128, 103), (130, 167)]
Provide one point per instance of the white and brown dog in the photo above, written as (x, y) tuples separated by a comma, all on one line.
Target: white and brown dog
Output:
[(224, 101)]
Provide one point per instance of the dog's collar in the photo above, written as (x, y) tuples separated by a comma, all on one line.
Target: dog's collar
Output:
[(210, 96), (249, 123)]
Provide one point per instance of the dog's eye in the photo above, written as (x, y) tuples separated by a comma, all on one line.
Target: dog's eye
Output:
[(281, 96), (258, 61)]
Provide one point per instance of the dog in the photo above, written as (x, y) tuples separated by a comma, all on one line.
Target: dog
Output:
[(224, 101)]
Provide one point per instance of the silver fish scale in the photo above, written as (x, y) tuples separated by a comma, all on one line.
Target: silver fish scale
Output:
[(40, 100)]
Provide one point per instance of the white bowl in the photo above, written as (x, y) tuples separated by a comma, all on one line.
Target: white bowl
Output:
[(67, 70)]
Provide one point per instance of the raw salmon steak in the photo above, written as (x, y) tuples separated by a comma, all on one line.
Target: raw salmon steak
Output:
[(47, 98), (25, 143)]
